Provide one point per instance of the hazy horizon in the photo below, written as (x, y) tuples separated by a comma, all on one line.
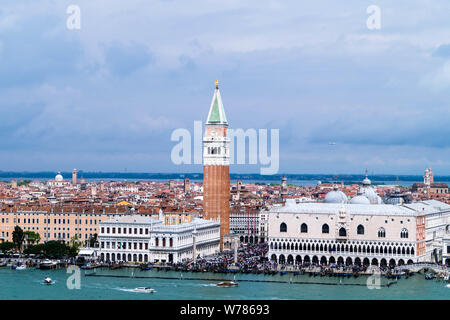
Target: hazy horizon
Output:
[(67, 174)]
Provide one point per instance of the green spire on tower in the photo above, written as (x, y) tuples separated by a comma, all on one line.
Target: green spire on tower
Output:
[(216, 111)]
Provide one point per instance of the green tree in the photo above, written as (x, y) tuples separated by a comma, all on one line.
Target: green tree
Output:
[(72, 251), (7, 246), (35, 249), (93, 241), (18, 237), (75, 242), (55, 249), (32, 237)]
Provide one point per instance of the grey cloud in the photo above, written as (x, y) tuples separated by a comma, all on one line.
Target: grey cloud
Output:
[(423, 130), (33, 54)]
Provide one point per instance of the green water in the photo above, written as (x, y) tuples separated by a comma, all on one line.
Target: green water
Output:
[(27, 284)]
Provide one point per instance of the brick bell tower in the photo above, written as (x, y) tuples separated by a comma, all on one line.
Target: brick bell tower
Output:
[(216, 166)]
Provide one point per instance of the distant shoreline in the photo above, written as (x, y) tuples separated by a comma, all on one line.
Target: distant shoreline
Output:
[(346, 178)]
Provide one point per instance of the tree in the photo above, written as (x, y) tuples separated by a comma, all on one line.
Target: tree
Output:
[(93, 241), (32, 237), (7, 246), (72, 251), (55, 249), (18, 237), (75, 242), (24, 183), (35, 249)]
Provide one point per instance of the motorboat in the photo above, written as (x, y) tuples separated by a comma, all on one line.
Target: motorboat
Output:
[(144, 290), (146, 267), (88, 266), (227, 284), (48, 280), (21, 267), (47, 264)]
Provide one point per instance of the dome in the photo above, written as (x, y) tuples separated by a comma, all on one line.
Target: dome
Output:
[(370, 194), (379, 200), (359, 199), (59, 177), (366, 182), (335, 196)]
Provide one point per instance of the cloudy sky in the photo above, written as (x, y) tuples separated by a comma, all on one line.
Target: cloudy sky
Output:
[(108, 96)]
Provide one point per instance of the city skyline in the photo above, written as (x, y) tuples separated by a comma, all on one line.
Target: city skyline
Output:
[(107, 97)]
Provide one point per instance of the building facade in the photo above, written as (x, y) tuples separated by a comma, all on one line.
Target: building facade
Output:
[(141, 239), (446, 250), (244, 222), (364, 234), (53, 224), (216, 166)]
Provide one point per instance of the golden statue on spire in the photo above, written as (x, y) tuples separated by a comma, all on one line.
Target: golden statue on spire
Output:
[(217, 84)]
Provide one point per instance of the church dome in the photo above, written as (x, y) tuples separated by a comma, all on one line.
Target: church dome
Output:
[(335, 196), (371, 194), (59, 177), (359, 199), (366, 181)]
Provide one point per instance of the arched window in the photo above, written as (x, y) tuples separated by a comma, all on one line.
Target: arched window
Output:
[(283, 227), (360, 229), (325, 228), (342, 232), (404, 233), (381, 233), (304, 228)]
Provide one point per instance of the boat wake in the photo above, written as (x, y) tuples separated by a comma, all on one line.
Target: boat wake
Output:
[(47, 284), (129, 290)]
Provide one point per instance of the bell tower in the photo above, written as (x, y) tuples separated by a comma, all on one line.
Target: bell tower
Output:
[(216, 166)]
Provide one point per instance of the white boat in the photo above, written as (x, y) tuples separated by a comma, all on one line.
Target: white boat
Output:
[(48, 280), (22, 267), (144, 289), (47, 264)]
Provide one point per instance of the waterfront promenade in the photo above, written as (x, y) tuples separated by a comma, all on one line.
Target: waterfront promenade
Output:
[(251, 265)]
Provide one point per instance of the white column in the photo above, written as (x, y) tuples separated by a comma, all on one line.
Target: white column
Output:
[(194, 246)]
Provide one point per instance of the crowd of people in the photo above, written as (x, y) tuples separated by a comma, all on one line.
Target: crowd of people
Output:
[(252, 258)]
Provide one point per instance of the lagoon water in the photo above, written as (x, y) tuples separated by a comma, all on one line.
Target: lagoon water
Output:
[(27, 284)]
